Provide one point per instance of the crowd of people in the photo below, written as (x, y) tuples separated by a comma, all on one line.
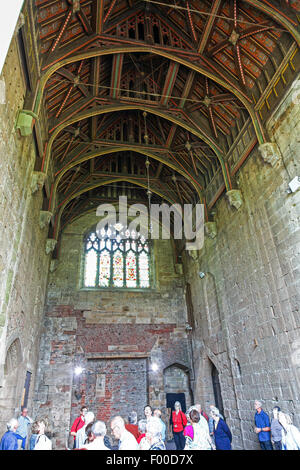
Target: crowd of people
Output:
[(18, 432), (193, 430)]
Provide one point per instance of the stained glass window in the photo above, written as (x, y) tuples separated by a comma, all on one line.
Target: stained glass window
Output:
[(116, 258)]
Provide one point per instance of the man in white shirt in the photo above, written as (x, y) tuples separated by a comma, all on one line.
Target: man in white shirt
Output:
[(98, 433), (126, 440)]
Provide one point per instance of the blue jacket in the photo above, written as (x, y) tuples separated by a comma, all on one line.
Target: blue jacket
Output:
[(262, 421), (9, 441), (32, 441), (222, 436)]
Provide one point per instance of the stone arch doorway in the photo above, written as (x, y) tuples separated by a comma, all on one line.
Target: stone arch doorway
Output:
[(13, 378), (176, 388), (217, 388)]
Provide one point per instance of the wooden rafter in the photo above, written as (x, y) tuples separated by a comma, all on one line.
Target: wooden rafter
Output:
[(208, 28), (169, 83), (116, 75), (204, 113)]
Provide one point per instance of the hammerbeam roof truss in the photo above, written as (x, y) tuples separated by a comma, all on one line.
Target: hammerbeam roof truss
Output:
[(197, 67)]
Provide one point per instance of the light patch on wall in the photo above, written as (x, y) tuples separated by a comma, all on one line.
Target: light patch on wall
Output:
[(9, 13), (295, 357), (123, 347), (2, 92), (100, 385)]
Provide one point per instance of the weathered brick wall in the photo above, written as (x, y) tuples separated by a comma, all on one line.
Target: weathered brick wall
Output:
[(247, 306), (116, 335), (109, 382), (23, 261)]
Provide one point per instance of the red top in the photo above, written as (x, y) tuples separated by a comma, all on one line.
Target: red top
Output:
[(133, 429), (78, 424), (179, 421), (140, 437), (205, 415)]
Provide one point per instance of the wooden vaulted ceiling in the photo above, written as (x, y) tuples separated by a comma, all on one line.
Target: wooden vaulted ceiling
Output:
[(123, 84)]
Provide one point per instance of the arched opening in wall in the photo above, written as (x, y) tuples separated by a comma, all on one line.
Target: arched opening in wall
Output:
[(13, 358), (13, 376), (217, 388), (177, 387)]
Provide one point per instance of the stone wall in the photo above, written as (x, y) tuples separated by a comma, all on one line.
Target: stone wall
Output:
[(163, 303), (115, 335), (23, 261), (247, 305)]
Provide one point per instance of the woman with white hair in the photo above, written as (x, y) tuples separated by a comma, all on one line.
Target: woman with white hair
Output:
[(290, 434), (153, 434), (81, 434), (179, 421), (9, 440), (222, 432), (98, 433)]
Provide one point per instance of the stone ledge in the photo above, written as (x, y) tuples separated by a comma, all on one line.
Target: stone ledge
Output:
[(133, 355)]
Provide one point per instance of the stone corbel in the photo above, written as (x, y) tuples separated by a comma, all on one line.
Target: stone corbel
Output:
[(50, 245), (53, 265), (45, 217), (210, 229), (269, 152), (235, 198), (25, 122), (37, 181)]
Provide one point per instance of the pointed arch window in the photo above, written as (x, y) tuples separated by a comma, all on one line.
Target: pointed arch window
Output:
[(117, 258)]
